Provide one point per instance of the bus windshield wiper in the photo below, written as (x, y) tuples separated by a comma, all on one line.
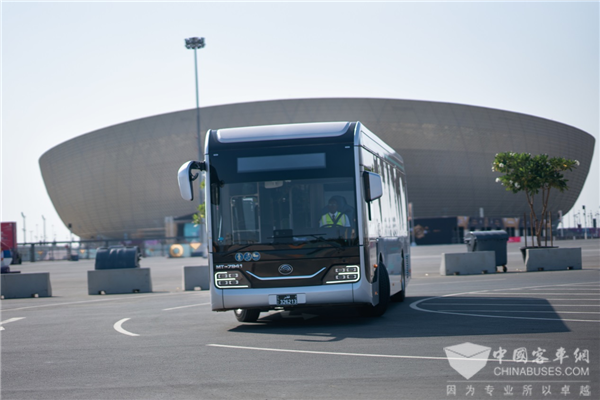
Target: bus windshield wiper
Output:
[(240, 249), (320, 239), (317, 236)]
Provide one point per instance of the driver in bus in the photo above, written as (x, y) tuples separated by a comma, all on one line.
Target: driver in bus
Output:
[(333, 217)]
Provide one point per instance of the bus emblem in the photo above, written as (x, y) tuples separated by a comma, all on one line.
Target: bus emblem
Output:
[(285, 269)]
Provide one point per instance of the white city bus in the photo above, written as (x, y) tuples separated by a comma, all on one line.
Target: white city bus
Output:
[(303, 215)]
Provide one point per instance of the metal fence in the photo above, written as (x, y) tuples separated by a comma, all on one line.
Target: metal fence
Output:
[(178, 247), (577, 233), (86, 249)]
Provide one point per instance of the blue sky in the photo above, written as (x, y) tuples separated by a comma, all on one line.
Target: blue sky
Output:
[(73, 67)]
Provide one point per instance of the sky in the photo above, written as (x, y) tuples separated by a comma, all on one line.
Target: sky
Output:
[(69, 68)]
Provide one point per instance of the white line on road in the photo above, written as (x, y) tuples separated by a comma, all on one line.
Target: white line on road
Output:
[(543, 286), (124, 297), (326, 352), (528, 311), (511, 305), (333, 353), (536, 293), (577, 289), (521, 299), (8, 321), (415, 306), (191, 305), (119, 329), (585, 284), (446, 283), (457, 312)]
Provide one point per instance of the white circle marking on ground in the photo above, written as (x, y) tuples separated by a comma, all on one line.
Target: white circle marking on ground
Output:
[(120, 329), (415, 305)]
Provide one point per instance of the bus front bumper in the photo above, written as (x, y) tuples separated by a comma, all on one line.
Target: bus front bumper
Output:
[(303, 296)]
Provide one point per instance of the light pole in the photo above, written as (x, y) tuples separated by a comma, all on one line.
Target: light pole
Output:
[(195, 43), (584, 223), (44, 228), (24, 231), (561, 223)]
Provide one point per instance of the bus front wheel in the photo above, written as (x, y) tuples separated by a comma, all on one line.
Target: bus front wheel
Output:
[(244, 315)]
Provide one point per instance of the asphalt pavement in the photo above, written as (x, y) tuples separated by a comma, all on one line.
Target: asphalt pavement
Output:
[(499, 335)]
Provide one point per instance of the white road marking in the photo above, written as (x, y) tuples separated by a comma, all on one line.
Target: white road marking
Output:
[(543, 286), (577, 289), (326, 352), (521, 299), (513, 305), (502, 316), (465, 281), (415, 305), (8, 321), (537, 293), (527, 311), (119, 329), (124, 297), (191, 305), (333, 353)]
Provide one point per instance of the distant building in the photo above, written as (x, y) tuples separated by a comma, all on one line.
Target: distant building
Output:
[(120, 181)]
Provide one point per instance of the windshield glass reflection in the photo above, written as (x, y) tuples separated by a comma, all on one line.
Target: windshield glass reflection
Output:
[(290, 212)]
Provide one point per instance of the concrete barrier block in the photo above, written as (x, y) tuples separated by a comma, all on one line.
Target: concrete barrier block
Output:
[(194, 277), (17, 286), (478, 262), (552, 259), (119, 281)]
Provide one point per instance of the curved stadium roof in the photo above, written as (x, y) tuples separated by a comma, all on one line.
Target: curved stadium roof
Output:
[(122, 179)]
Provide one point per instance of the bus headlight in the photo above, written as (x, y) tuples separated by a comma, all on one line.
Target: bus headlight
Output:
[(343, 274), (231, 280)]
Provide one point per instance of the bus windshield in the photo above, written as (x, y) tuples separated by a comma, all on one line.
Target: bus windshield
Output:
[(284, 213)]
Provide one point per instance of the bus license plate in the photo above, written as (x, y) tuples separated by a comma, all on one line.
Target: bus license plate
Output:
[(287, 299)]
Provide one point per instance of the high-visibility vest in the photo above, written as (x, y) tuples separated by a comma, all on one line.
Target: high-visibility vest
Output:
[(341, 221)]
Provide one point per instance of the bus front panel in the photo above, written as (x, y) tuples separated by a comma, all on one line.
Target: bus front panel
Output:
[(283, 221)]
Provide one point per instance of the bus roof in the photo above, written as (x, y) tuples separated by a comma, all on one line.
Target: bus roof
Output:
[(282, 132)]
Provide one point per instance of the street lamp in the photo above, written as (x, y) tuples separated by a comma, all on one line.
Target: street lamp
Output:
[(195, 43), (44, 228), (24, 231), (584, 223)]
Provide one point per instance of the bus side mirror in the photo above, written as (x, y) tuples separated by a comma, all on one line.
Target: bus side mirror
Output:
[(373, 186), (185, 178)]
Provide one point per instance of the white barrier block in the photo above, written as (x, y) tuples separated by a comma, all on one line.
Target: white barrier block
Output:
[(477, 262), (552, 259), (198, 276), (17, 286), (119, 281)]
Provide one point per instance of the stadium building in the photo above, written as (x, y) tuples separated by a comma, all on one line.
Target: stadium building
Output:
[(120, 181)]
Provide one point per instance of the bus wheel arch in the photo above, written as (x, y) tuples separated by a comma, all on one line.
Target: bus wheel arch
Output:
[(383, 280), (401, 295)]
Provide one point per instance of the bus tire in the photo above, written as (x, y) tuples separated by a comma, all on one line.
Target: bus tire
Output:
[(384, 294), (245, 315)]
